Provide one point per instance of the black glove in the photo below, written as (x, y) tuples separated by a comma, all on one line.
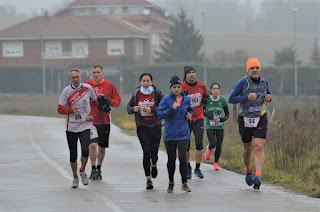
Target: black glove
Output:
[(223, 119), (104, 104), (209, 116), (204, 100), (186, 92)]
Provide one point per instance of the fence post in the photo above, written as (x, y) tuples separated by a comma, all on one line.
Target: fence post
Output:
[(235, 115)]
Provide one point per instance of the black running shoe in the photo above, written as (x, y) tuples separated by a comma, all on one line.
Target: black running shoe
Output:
[(149, 184), (93, 175), (185, 187), (170, 188), (99, 177), (154, 171)]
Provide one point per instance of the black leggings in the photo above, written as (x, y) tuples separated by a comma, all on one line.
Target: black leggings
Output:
[(172, 147), (150, 140), (72, 138), (215, 137)]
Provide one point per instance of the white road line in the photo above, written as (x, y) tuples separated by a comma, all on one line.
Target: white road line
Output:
[(65, 173)]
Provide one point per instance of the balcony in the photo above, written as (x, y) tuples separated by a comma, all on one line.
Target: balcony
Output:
[(64, 55)]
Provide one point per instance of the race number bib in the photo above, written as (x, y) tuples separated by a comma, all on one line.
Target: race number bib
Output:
[(93, 132), (79, 116), (251, 122), (143, 105), (216, 121), (195, 99)]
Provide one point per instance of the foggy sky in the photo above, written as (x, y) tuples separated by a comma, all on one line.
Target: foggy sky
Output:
[(29, 6)]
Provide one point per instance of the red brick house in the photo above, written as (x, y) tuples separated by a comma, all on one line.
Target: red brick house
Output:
[(87, 32)]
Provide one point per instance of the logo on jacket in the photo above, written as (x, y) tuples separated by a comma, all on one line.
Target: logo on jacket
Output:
[(98, 91)]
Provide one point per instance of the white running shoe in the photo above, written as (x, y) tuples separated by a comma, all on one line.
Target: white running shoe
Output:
[(84, 178), (75, 182)]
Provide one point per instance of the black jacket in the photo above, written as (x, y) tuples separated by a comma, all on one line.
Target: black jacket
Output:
[(157, 95)]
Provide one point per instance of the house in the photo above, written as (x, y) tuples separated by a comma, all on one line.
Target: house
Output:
[(87, 32)]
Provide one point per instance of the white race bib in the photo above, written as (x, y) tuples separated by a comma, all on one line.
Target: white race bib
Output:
[(251, 122), (79, 116), (93, 132), (216, 121), (195, 99), (143, 105)]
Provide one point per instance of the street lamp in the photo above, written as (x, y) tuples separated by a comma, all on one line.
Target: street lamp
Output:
[(43, 64), (295, 11), (204, 50)]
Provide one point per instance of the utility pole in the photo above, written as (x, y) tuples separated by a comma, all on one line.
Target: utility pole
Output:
[(43, 64), (295, 11), (204, 50)]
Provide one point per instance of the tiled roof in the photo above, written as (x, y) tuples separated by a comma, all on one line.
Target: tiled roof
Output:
[(67, 27), (94, 3)]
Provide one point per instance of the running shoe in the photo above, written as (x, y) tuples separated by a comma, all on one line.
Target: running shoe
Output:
[(75, 182), (84, 178), (198, 173), (154, 171), (93, 175), (149, 184), (256, 182), (189, 173), (207, 155), (185, 187), (99, 176), (249, 179), (216, 166), (170, 188)]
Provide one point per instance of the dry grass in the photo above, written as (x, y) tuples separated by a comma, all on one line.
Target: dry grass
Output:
[(29, 104)]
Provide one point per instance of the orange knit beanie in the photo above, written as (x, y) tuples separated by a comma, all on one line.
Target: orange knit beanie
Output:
[(252, 62)]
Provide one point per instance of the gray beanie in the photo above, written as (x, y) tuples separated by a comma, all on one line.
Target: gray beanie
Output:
[(186, 70)]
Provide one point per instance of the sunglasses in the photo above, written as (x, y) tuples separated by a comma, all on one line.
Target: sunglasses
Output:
[(254, 67), (76, 77)]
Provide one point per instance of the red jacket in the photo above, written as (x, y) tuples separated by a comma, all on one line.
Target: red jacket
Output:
[(108, 90)]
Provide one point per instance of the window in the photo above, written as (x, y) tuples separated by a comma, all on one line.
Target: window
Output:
[(139, 47), (136, 10), (80, 49), (115, 47), (82, 11), (12, 49), (53, 48), (109, 10), (155, 39)]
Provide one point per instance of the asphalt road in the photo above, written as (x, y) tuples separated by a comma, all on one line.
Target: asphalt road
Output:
[(35, 176)]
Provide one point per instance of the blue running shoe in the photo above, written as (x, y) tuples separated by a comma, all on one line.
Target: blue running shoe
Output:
[(189, 173), (249, 179), (198, 173), (256, 182)]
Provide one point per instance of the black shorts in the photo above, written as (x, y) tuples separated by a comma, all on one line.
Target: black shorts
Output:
[(197, 127), (103, 135), (258, 132)]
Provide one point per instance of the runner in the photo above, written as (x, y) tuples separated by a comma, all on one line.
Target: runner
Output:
[(176, 110), (107, 96), (252, 92), (214, 122), (75, 103), (198, 94), (144, 105)]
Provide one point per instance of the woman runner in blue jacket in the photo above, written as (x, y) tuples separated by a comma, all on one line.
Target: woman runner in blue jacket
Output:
[(176, 110)]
